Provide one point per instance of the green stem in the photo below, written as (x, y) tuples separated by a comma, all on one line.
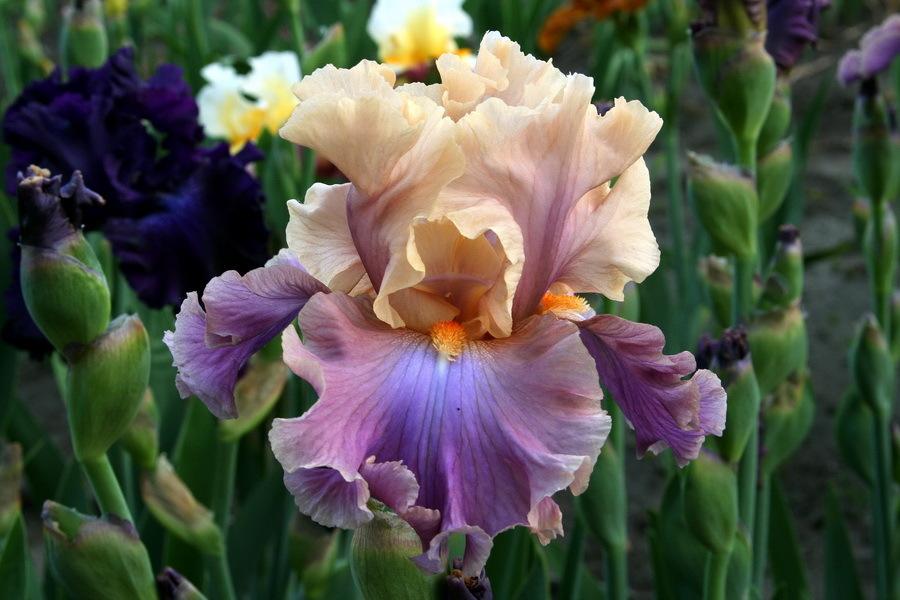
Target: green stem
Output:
[(716, 580), (571, 576), (882, 520), (746, 153), (747, 481), (686, 290), (616, 573), (761, 532), (881, 294), (219, 570), (220, 575), (198, 49), (224, 484), (106, 487), (297, 34), (742, 296)]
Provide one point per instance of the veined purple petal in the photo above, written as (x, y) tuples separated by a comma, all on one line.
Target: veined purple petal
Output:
[(481, 434), (663, 408), (792, 25), (242, 314)]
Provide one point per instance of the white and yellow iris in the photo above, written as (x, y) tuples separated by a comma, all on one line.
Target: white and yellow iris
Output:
[(410, 33), (239, 107)]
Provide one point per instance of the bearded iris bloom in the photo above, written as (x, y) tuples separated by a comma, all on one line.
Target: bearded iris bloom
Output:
[(877, 50), (239, 107), (791, 26), (455, 366), (411, 34)]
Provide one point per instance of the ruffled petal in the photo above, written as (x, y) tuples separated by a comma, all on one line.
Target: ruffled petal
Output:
[(319, 234), (481, 434), (209, 347), (545, 520), (346, 113), (663, 408), (540, 164)]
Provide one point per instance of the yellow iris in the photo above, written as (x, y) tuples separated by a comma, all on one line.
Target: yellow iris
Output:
[(421, 39)]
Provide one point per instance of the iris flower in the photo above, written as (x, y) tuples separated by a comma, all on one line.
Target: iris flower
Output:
[(411, 34), (566, 17), (792, 25), (175, 212), (239, 107), (877, 50), (456, 369)]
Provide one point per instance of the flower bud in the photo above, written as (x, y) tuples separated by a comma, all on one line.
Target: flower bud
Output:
[(740, 566), (726, 204), (710, 502), (773, 178), (101, 559), (175, 507), (141, 439), (172, 585), (862, 213), (85, 43), (313, 550), (738, 75), (855, 437), (875, 154), (683, 556), (62, 282), (380, 559), (10, 486), (257, 391), (787, 420), (731, 360), (331, 50), (872, 366), (716, 273), (779, 342), (881, 250), (784, 285), (603, 504), (460, 587), (107, 380), (778, 121)]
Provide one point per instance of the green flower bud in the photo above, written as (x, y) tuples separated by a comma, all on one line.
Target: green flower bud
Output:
[(84, 34), (740, 566), (141, 439), (778, 121), (731, 360), (779, 342), (873, 367), (313, 550), (10, 485), (717, 274), (726, 204), (682, 556), (855, 436), (256, 393), (875, 153), (331, 50), (175, 507), (710, 502), (862, 213), (881, 250), (107, 380), (603, 505), (773, 178), (101, 559), (380, 559), (172, 585), (738, 75), (784, 285), (62, 282), (787, 420)]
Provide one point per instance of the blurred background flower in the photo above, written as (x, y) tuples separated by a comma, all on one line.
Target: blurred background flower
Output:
[(175, 212)]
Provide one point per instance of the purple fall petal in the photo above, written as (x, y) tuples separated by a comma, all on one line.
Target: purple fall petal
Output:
[(792, 25), (663, 408), (481, 434), (242, 315)]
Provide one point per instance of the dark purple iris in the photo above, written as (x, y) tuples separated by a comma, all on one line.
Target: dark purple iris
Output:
[(176, 213), (792, 25)]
